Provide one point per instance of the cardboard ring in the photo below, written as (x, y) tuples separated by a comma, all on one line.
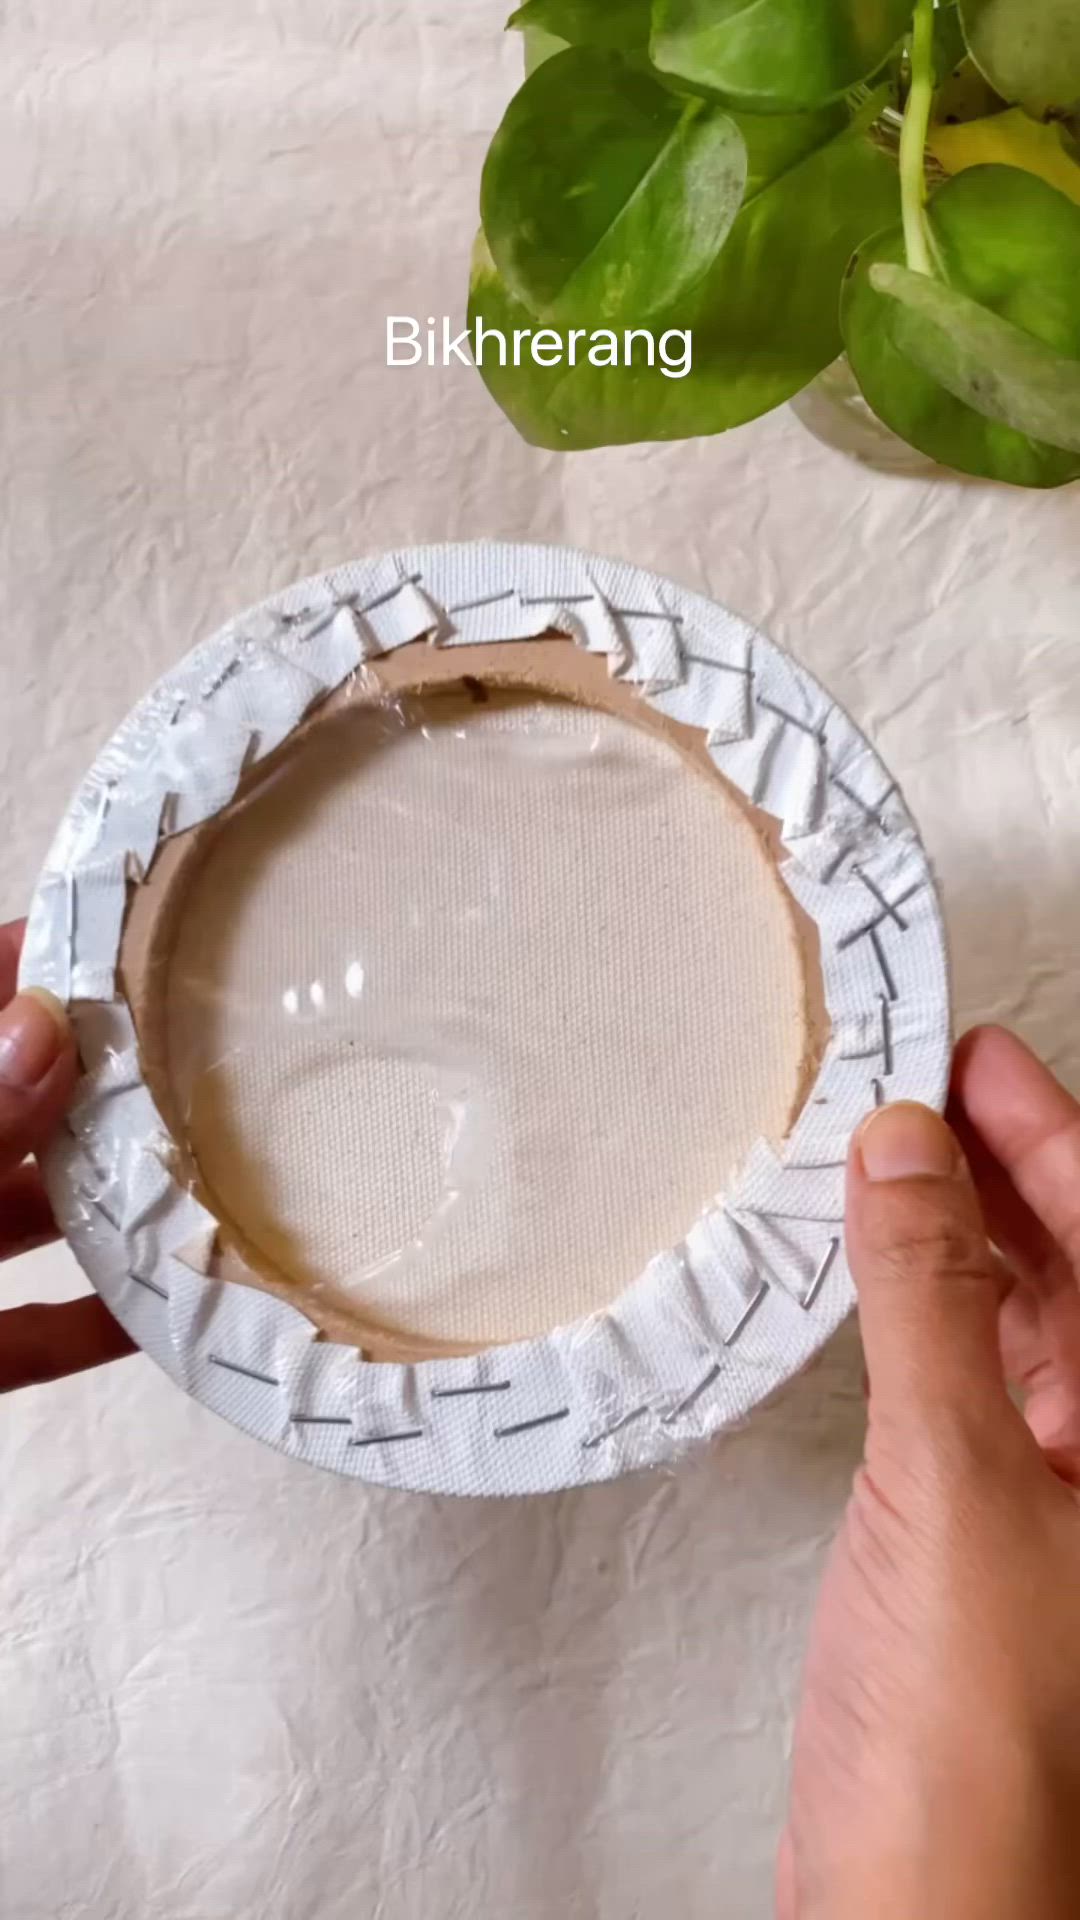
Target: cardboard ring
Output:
[(759, 1281), (552, 667)]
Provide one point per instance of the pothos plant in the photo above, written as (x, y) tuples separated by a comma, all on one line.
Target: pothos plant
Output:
[(792, 179)]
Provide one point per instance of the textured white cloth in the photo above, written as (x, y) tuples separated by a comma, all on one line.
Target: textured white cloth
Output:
[(231, 1686)]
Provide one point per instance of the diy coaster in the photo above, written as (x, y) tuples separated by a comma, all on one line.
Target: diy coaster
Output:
[(444, 937)]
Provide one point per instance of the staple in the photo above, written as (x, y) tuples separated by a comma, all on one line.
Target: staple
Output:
[(217, 680), (792, 720), (859, 933), (813, 1166), (694, 1394), (322, 616), (775, 1213), (249, 1373), (879, 1093), (369, 606), (286, 620), (648, 613), (886, 1037), (746, 1315), (555, 599), (387, 1439), (486, 600), (151, 1286), (890, 911), (526, 1426), (320, 1420), (327, 616), (830, 872), (908, 893), (721, 666), (874, 812), (105, 1212), (882, 960), (822, 1274), (460, 1393), (609, 1433)]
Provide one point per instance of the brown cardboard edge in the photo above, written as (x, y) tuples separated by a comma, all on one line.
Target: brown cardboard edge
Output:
[(553, 665)]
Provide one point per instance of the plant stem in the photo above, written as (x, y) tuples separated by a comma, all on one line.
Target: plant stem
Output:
[(917, 242)]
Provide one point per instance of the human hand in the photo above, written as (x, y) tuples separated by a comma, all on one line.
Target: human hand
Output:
[(936, 1770), (37, 1074)]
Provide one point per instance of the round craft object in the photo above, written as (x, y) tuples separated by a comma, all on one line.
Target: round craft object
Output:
[(480, 957)]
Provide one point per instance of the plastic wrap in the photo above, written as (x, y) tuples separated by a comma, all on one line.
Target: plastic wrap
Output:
[(423, 1006)]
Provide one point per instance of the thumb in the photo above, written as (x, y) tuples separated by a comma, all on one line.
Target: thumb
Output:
[(928, 1283), (37, 1073)]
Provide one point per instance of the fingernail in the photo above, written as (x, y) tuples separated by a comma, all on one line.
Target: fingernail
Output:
[(906, 1142), (33, 1034)]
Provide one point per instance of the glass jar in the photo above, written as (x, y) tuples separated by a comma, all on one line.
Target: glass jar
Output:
[(833, 409)]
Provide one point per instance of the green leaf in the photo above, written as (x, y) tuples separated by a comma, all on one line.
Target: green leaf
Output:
[(997, 368), (604, 198), (539, 46), (816, 185), (949, 45), (776, 56), (525, 392), (1029, 50), (1010, 244), (765, 320), (619, 25)]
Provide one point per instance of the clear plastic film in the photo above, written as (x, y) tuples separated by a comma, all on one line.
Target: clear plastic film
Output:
[(479, 958), (474, 1002)]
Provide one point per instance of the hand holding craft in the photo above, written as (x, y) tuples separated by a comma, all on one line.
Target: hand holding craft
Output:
[(937, 1767), (37, 1076)]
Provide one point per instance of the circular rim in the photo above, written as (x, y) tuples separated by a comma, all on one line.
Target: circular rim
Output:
[(712, 1326)]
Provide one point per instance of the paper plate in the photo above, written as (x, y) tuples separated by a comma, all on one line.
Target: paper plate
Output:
[(480, 957)]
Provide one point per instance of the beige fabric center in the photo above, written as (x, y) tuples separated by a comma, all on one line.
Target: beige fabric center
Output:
[(473, 1007)]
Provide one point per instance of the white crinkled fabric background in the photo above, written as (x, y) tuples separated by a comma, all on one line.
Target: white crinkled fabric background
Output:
[(231, 1686)]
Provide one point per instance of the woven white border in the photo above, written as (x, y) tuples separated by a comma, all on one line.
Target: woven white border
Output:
[(759, 1283)]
